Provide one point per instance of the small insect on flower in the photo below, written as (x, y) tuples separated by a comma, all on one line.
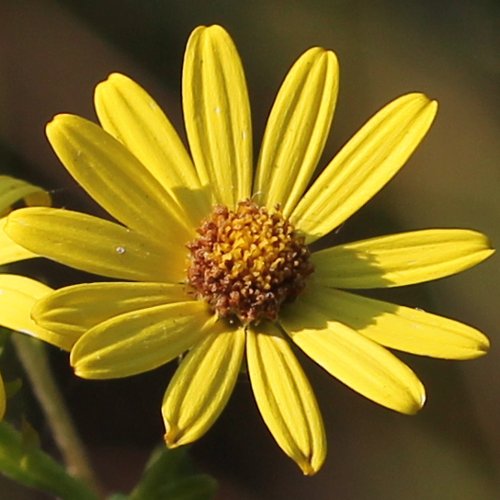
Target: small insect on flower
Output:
[(212, 258)]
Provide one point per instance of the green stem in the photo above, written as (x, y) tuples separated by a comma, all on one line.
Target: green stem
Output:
[(33, 356)]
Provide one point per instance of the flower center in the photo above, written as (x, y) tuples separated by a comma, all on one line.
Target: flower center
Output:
[(247, 262)]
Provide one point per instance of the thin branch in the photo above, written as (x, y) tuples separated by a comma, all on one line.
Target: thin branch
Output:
[(33, 356)]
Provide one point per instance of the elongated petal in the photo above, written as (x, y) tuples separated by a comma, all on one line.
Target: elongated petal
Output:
[(364, 165), (201, 386), (75, 309), (13, 190), (217, 114), (355, 360), (297, 129), (285, 398), (116, 179), (139, 341), (94, 245), (400, 259), (10, 251), (400, 327), (131, 115), (18, 294)]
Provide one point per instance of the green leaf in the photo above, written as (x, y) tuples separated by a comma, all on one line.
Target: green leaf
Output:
[(170, 474), (30, 466)]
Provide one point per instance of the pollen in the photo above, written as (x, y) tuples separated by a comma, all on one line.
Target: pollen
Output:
[(247, 262)]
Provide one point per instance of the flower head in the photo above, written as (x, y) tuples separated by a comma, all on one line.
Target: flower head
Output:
[(18, 294), (213, 260), (247, 262)]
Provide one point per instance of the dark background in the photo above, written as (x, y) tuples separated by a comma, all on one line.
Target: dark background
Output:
[(52, 54)]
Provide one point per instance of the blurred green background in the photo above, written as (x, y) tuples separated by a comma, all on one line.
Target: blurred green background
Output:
[(52, 54)]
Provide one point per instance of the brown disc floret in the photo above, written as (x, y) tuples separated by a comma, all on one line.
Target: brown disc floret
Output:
[(247, 262)]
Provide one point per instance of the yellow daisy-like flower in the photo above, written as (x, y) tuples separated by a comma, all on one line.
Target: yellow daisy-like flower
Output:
[(216, 261), (18, 294)]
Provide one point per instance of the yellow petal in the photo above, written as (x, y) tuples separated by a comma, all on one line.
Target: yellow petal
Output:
[(364, 165), (217, 114), (139, 341), (3, 398), (202, 384), (9, 250), (297, 129), (13, 190), (398, 327), (355, 360), (18, 295), (116, 179), (400, 259), (95, 245), (131, 115), (285, 398), (75, 309)]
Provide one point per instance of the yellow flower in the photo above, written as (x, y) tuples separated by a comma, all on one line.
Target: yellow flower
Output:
[(217, 262), (18, 294)]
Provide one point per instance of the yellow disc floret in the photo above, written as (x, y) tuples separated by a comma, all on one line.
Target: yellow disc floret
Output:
[(247, 262)]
